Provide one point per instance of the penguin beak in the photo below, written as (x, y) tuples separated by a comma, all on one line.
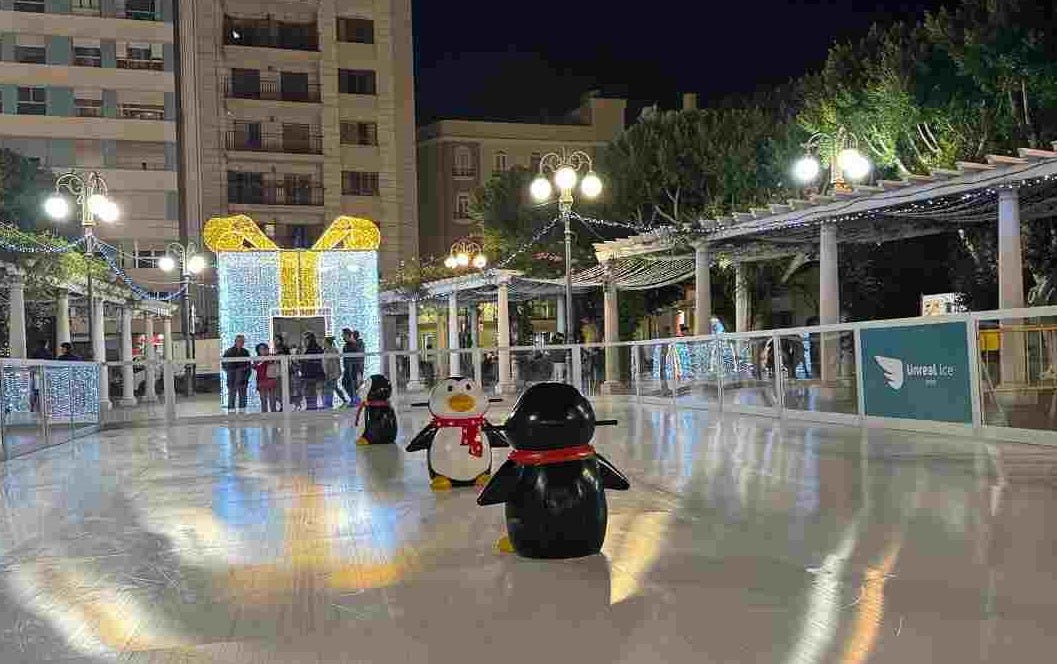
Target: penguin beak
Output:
[(461, 403)]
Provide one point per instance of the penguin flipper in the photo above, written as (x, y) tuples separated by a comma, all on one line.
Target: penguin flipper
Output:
[(495, 435), (500, 486), (423, 439), (611, 477)]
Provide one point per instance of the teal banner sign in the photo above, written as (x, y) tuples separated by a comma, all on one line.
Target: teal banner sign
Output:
[(918, 372)]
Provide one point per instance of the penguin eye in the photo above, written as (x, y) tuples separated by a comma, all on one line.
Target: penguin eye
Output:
[(450, 388), (468, 387)]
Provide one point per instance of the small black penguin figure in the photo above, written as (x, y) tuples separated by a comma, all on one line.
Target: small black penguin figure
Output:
[(379, 424), (553, 482)]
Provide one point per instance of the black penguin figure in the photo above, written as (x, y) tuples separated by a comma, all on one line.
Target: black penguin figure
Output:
[(379, 424), (553, 482)]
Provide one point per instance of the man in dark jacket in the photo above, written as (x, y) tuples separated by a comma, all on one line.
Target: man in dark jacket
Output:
[(353, 366), (238, 373), (312, 373)]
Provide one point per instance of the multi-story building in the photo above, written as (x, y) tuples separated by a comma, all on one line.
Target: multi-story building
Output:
[(296, 112), (90, 85), (455, 157)]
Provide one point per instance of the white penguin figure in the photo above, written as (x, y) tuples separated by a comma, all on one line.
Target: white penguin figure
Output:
[(459, 439)]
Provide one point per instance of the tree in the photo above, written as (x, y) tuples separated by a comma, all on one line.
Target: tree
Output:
[(24, 186)]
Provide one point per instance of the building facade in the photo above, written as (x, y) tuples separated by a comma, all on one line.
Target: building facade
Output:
[(91, 85), (456, 157), (296, 112)]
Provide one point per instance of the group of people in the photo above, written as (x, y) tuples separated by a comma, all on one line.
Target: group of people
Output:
[(313, 382)]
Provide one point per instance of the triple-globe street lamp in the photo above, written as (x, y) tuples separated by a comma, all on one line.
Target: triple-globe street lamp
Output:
[(191, 262), (839, 153), (465, 253), (89, 193), (566, 166)]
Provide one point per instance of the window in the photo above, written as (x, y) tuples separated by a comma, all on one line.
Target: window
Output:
[(88, 7), (357, 82), (29, 6), (499, 162), (147, 258), (359, 183), (359, 133), (141, 56), (269, 33), (463, 163), (297, 138), (293, 86), (462, 205), (140, 10), (31, 101), (30, 54), (88, 108), (247, 136), (245, 83), (87, 56), (534, 161), (245, 187), (356, 30), (141, 111)]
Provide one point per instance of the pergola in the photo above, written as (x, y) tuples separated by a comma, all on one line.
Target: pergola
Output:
[(495, 285)]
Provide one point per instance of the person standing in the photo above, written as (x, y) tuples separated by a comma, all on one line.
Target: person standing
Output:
[(311, 371), (353, 350), (331, 374), (267, 380), (66, 353), (238, 373)]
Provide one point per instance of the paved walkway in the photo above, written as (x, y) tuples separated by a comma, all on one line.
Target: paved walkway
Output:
[(742, 540)]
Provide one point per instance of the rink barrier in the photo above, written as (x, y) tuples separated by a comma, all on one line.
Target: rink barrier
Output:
[(1010, 357)]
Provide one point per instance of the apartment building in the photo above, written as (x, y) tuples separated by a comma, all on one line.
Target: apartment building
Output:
[(456, 157), (295, 112), (90, 85)]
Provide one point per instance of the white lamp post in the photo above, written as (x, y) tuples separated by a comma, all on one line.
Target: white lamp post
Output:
[(191, 263), (565, 167), (89, 192)]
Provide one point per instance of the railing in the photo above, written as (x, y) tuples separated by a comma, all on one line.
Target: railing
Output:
[(464, 172), (271, 90), (243, 141), (153, 64), (89, 111), (946, 374), (267, 33), (87, 61), (276, 194), (141, 112)]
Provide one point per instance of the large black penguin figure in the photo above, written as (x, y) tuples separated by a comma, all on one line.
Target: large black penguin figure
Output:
[(379, 424), (553, 482)]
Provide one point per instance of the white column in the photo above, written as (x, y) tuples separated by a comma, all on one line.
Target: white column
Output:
[(453, 333), (611, 334), (742, 299), (702, 291), (502, 322), (16, 315), (99, 351), (1010, 284), (560, 320), (828, 299), (62, 319), (166, 331), (128, 374), (150, 372), (414, 382), (474, 322)]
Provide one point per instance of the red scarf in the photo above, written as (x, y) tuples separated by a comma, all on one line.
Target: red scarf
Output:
[(546, 457), (471, 431), (364, 404)]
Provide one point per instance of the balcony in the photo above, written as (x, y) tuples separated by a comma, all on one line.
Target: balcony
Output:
[(269, 33), (272, 90), (464, 172), (136, 11), (153, 64), (276, 193), (141, 112), (288, 143)]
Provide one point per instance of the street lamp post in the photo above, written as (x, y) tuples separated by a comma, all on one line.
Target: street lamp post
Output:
[(465, 253), (191, 263), (90, 195), (565, 166), (842, 158)]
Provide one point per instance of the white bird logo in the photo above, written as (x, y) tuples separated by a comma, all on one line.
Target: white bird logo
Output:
[(893, 370)]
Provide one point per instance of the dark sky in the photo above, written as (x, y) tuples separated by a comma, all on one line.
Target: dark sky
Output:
[(525, 60)]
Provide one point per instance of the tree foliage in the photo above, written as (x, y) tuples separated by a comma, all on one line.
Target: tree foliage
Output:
[(24, 186)]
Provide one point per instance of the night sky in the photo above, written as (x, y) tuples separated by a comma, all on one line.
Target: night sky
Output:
[(533, 60)]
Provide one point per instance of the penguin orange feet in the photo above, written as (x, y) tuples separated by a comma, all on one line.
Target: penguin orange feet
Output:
[(362, 441), (503, 545), (482, 479), (440, 483)]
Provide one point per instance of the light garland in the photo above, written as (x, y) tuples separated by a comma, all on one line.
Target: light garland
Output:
[(109, 252)]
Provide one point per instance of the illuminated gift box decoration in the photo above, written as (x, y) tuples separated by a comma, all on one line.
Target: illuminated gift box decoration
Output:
[(257, 282)]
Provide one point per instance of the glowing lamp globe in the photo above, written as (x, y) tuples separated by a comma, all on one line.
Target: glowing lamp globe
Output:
[(591, 185), (541, 189), (480, 261), (462, 259), (108, 212), (854, 164), (196, 264), (806, 169), (450, 263), (96, 202), (565, 178), (57, 207), (167, 263)]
